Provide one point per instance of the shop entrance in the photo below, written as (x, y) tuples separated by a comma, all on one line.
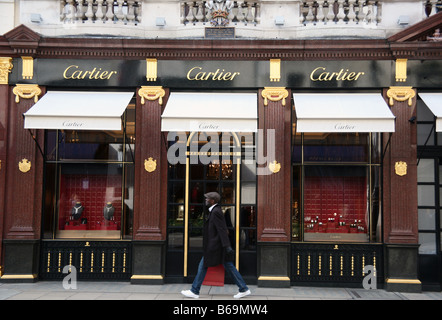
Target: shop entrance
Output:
[(212, 163)]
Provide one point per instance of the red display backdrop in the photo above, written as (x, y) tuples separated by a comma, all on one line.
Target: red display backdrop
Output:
[(335, 204), (93, 191)]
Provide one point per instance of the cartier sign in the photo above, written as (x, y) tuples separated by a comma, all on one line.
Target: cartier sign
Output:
[(197, 73), (322, 74), (207, 74), (77, 73)]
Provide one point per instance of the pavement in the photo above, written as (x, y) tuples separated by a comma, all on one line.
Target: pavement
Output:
[(54, 290)]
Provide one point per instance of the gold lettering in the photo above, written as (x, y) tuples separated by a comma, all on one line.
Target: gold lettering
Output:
[(197, 73), (313, 73), (65, 75), (73, 72), (321, 74), (190, 71)]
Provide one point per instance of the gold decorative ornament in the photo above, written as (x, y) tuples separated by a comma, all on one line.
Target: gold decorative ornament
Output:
[(27, 67), (151, 94), (274, 166), (24, 165), (5, 69), (401, 94), (151, 69), (401, 70), (275, 70), (26, 91), (400, 168), (150, 165), (274, 94)]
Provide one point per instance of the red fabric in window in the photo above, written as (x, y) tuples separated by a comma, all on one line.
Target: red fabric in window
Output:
[(345, 196), (93, 191)]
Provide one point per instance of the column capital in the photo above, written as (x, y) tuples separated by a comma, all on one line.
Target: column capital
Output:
[(26, 91), (5, 69), (401, 94), (151, 94), (274, 94)]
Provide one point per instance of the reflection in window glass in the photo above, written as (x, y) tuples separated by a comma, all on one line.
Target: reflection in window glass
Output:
[(425, 170), (427, 243), (427, 219), (335, 147), (425, 195)]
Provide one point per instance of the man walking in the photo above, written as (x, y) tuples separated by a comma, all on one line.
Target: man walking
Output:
[(216, 250)]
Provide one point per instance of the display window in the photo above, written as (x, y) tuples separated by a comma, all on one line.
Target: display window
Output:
[(89, 182), (336, 187)]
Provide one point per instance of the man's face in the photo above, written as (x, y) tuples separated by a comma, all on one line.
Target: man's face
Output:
[(209, 202)]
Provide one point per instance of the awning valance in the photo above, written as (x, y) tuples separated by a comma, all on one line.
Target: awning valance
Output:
[(74, 110), (434, 103), (210, 112), (342, 113)]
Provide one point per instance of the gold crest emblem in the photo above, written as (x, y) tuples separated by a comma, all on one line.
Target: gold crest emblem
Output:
[(150, 165), (24, 165), (274, 166), (400, 168)]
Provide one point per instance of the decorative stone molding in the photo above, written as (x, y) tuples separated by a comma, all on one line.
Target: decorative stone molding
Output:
[(274, 94), (26, 91), (151, 94), (401, 94), (5, 68)]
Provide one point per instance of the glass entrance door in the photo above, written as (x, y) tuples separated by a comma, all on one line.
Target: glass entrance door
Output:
[(215, 167)]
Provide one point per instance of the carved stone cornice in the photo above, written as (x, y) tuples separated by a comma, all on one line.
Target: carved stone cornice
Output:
[(151, 94), (5, 68), (26, 91)]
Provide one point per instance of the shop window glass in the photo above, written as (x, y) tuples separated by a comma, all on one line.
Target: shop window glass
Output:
[(425, 170), (89, 182), (425, 135), (336, 204), (335, 187), (425, 195), (427, 219), (335, 147), (427, 243)]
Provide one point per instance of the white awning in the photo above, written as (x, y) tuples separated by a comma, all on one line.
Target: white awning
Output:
[(74, 110), (434, 103), (342, 113), (210, 112)]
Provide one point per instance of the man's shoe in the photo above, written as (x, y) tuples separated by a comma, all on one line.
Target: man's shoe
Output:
[(240, 295), (189, 294)]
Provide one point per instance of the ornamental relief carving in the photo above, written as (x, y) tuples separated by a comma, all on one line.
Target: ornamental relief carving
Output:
[(26, 91), (5, 68)]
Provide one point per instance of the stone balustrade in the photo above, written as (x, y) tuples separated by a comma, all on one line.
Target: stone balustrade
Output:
[(320, 12), (104, 11)]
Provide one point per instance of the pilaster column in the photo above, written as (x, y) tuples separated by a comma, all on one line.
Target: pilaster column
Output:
[(274, 109), (5, 68), (23, 195), (400, 193), (150, 207)]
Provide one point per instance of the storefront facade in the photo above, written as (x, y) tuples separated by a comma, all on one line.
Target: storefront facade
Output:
[(108, 146)]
